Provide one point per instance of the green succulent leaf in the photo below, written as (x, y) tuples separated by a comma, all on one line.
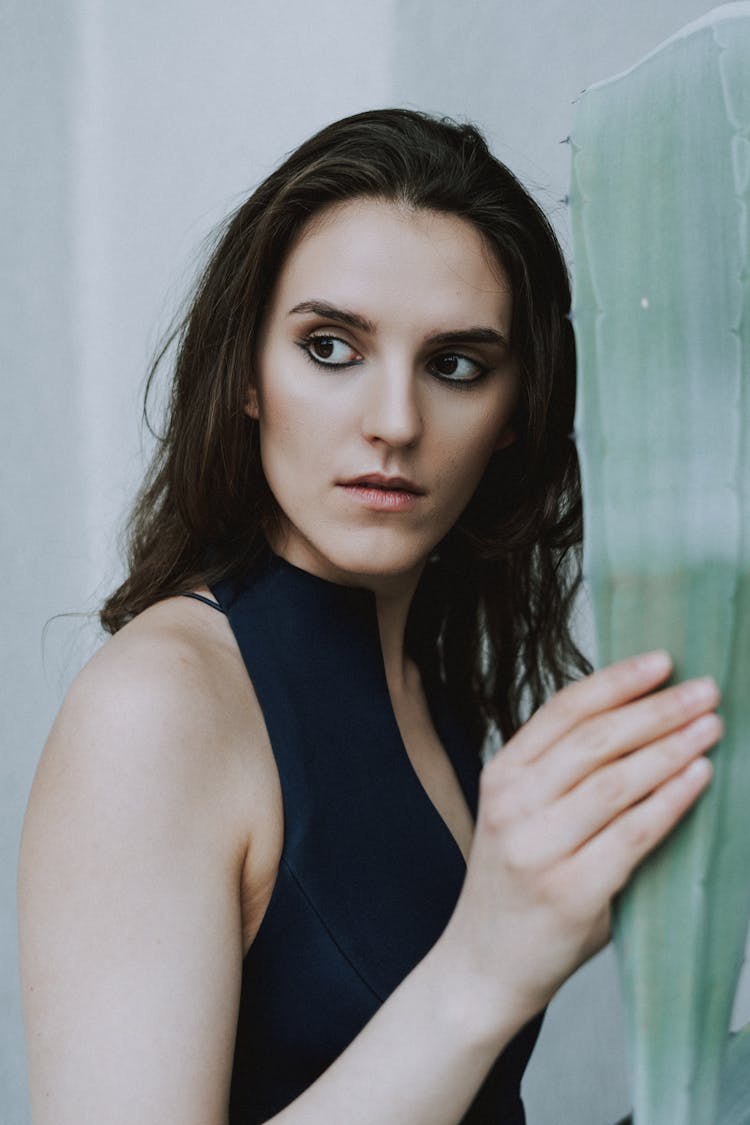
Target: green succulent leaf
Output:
[(734, 1108), (660, 204)]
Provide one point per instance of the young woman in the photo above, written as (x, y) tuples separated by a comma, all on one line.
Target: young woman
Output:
[(264, 876)]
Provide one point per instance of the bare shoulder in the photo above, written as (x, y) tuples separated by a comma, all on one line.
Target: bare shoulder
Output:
[(168, 698), (162, 730), (149, 808), (173, 661)]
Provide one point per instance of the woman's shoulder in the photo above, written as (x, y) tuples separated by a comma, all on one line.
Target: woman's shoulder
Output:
[(169, 664), (145, 813), (178, 658), (166, 707)]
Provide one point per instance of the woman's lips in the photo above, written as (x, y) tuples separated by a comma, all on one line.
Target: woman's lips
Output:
[(383, 494)]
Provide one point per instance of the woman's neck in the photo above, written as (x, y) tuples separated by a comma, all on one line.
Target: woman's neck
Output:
[(393, 611), (393, 597)]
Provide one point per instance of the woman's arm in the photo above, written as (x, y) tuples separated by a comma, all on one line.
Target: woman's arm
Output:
[(130, 922), (130, 906), (571, 805)]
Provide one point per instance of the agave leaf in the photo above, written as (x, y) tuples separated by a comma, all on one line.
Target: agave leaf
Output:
[(735, 1088), (660, 204)]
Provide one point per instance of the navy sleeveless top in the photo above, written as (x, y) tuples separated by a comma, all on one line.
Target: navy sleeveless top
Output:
[(369, 873)]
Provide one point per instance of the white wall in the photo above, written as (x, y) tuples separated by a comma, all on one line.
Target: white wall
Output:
[(133, 128), (43, 553)]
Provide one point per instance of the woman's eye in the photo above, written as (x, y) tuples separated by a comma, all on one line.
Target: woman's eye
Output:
[(330, 351), (457, 368)]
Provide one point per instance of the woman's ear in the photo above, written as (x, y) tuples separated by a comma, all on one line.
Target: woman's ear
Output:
[(505, 438), (251, 403)]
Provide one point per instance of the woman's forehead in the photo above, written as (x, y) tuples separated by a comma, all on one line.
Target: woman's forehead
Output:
[(386, 255)]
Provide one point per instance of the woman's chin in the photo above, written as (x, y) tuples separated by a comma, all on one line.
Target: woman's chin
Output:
[(356, 559)]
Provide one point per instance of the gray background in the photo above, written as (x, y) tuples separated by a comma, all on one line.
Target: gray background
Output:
[(127, 131)]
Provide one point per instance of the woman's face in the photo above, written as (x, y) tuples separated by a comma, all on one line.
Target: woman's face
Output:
[(385, 384)]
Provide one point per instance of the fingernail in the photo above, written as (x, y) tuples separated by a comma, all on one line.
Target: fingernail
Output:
[(706, 725), (703, 690), (698, 770), (655, 662)]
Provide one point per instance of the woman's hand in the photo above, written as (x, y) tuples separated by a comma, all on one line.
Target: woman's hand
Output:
[(567, 810)]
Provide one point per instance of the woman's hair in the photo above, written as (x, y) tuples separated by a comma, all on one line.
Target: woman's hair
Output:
[(491, 614)]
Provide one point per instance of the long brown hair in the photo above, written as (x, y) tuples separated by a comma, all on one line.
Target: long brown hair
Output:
[(491, 615)]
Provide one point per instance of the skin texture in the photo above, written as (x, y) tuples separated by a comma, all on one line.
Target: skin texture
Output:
[(155, 823)]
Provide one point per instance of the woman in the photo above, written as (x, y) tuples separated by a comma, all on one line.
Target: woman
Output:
[(256, 883)]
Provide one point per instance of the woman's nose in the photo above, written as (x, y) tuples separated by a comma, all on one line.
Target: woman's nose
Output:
[(391, 411)]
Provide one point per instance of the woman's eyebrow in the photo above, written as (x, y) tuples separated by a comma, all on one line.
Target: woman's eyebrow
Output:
[(477, 335), (471, 336), (330, 312)]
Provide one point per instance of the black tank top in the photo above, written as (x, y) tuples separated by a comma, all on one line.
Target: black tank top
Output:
[(369, 873)]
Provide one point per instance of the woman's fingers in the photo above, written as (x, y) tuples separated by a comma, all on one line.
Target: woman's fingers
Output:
[(574, 802), (612, 735), (605, 863), (571, 806), (549, 803), (602, 691), (615, 788), (532, 775)]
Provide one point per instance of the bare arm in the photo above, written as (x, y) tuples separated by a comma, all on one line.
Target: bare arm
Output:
[(581, 794), (567, 810), (129, 904)]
